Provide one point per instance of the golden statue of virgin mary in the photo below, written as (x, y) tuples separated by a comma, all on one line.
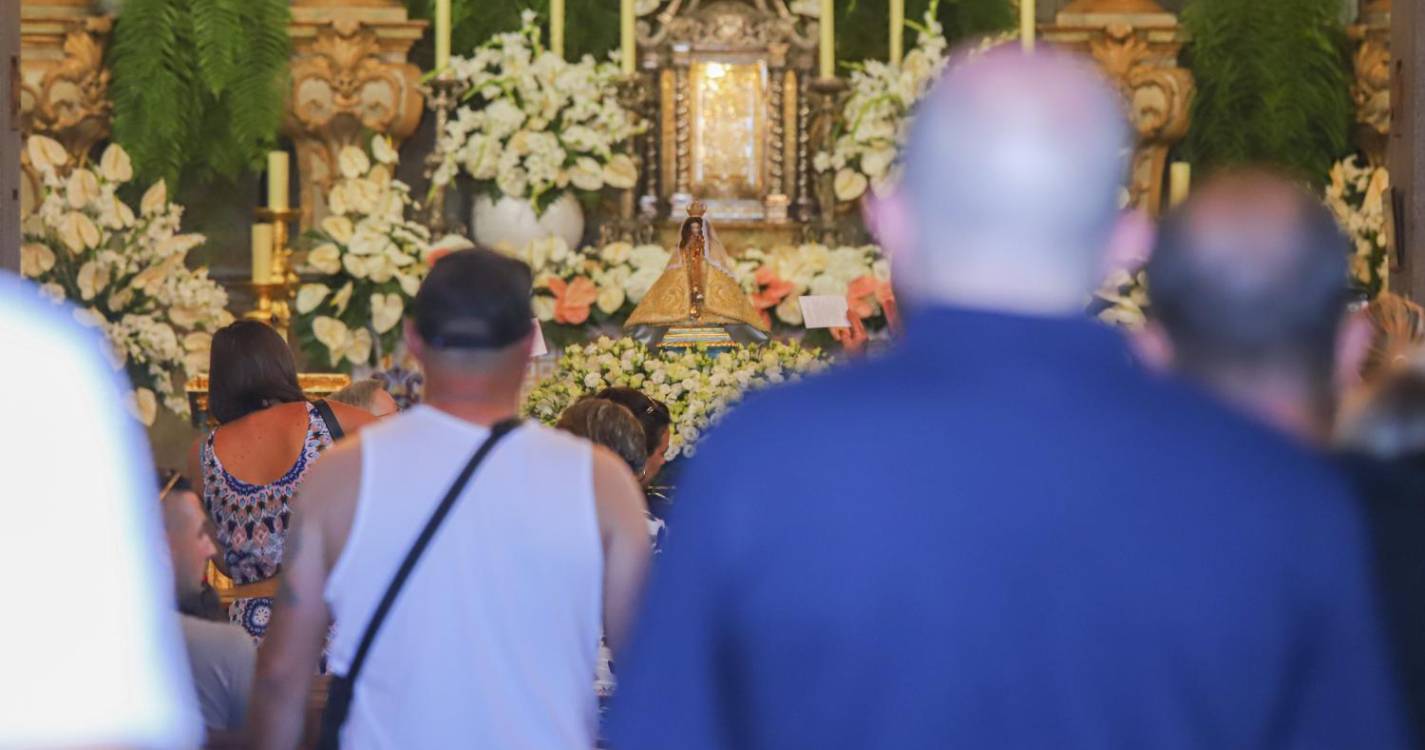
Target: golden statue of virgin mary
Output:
[(697, 299)]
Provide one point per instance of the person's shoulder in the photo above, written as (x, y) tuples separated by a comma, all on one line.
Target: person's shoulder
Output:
[(214, 638), (352, 419)]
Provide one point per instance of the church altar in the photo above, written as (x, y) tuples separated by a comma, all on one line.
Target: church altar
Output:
[(389, 147)]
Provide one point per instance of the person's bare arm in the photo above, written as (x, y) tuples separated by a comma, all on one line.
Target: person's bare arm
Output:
[(288, 659), (624, 532), (352, 419)]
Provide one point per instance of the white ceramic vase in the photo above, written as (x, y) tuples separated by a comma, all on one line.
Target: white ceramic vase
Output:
[(512, 222)]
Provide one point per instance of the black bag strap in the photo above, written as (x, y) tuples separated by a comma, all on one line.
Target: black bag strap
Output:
[(329, 416), (414, 555)]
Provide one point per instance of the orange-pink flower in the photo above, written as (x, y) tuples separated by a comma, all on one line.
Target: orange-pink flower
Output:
[(771, 289), (859, 296), (572, 299)]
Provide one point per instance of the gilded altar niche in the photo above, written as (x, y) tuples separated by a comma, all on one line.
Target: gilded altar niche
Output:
[(727, 82)]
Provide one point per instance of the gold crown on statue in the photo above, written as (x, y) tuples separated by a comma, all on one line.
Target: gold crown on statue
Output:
[(696, 209)]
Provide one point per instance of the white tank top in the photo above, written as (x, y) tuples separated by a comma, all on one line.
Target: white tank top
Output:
[(493, 641)]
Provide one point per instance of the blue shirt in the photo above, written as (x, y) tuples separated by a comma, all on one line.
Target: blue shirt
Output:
[(1004, 534)]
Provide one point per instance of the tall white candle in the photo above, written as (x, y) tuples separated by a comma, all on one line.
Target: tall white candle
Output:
[(1026, 24), (827, 22), (556, 27), (1179, 183), (897, 31), (627, 43), (278, 166), (261, 253), (442, 34)]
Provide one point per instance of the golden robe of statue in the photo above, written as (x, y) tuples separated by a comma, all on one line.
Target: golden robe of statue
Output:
[(697, 290)]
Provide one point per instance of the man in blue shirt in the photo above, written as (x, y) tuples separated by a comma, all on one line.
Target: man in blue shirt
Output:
[(1004, 534)]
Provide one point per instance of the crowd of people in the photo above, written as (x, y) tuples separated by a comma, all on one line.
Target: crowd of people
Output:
[(1016, 528)]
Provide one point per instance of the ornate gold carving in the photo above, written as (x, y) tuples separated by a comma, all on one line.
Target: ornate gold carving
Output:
[(1137, 44), (64, 86), (350, 79), (1371, 89)]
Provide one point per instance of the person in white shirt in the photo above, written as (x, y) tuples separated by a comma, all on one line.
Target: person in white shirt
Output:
[(90, 650), (493, 639)]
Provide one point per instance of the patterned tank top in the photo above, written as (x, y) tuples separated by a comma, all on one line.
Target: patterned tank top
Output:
[(251, 519)]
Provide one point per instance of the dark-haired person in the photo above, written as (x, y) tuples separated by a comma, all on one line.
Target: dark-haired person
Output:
[(491, 640), (612, 425), (656, 420), (250, 467)]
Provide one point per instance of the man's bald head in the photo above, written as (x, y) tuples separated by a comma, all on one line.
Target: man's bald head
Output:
[(1012, 176), (1249, 278)]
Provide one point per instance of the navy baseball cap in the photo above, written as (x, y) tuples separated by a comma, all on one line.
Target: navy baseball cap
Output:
[(474, 299)]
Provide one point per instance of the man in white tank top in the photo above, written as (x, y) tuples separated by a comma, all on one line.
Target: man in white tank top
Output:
[(493, 640)]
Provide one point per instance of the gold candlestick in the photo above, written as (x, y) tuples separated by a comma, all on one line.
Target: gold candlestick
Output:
[(443, 93), (275, 296)]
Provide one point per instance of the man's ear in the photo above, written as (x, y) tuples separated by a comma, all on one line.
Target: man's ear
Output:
[(1151, 345), (1130, 244), (1353, 344), (888, 218)]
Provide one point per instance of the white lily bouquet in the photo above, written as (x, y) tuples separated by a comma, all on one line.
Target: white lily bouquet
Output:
[(876, 118), (124, 271), (1356, 196), (533, 125), (370, 259), (698, 388)]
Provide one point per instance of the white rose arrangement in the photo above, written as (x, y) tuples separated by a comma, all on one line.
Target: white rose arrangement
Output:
[(1356, 196), (533, 125), (699, 388), (124, 270), (368, 259), (876, 117)]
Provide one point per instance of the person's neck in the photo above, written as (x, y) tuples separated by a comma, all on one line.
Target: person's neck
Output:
[(1290, 406), (1003, 293), (483, 404)]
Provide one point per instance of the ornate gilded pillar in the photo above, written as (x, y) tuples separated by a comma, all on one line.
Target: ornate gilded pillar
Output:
[(1371, 89), (350, 79), (1137, 43), (64, 86)]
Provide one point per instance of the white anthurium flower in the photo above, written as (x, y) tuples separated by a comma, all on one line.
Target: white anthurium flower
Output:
[(363, 195), (353, 163), (355, 265), (644, 7), (92, 279), (343, 297), (380, 269), (620, 173), (380, 175), (850, 185), (640, 281), (386, 311), (180, 244), (325, 258), (543, 307), (339, 228), (409, 284), (333, 334), (78, 232), (877, 162), (616, 253), (648, 256), (367, 242), (46, 154), (35, 259), (358, 352), (337, 204), (384, 150), (82, 188), (116, 214), (790, 311), (184, 316), (143, 404), (311, 295), (115, 164), (155, 199), (587, 174), (610, 299), (88, 317)]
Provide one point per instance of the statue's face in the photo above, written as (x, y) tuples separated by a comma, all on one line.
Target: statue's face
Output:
[(693, 229)]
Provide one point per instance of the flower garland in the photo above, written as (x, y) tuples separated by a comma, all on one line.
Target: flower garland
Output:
[(536, 126), (698, 387), (595, 286), (370, 258), (125, 271), (1356, 196)]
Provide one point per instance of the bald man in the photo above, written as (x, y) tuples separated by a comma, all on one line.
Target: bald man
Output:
[(1004, 534)]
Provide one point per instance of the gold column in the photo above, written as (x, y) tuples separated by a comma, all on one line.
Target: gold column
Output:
[(1137, 44), (1371, 89), (350, 79), (64, 86)]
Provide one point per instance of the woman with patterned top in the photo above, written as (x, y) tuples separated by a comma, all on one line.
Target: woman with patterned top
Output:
[(253, 463)]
